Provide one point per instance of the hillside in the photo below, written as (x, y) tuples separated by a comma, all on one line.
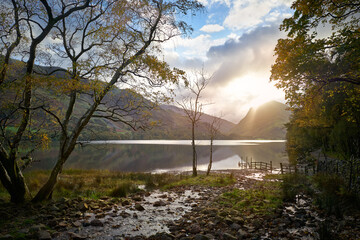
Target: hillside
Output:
[(265, 122), (172, 124)]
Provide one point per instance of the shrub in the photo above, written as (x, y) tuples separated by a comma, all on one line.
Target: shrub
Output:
[(294, 185), (332, 195), (123, 189)]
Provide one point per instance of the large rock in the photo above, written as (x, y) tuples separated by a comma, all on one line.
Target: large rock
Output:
[(44, 235), (96, 223), (139, 207), (159, 203)]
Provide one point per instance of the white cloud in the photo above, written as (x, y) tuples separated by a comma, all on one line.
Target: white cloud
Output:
[(249, 13), (209, 3), (193, 47), (210, 28)]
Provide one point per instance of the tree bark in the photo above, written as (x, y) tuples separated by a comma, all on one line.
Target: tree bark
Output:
[(194, 150), (211, 152)]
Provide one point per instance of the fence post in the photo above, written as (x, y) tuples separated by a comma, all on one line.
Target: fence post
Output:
[(314, 169), (271, 166), (281, 168)]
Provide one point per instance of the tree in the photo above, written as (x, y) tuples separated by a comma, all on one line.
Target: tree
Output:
[(106, 46), (321, 78), (193, 109), (306, 63), (35, 21), (214, 129)]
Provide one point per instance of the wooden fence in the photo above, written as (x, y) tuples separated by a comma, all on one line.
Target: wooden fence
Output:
[(264, 166)]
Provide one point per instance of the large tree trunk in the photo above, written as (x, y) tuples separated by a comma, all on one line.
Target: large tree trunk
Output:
[(194, 150), (12, 179), (45, 192), (211, 152)]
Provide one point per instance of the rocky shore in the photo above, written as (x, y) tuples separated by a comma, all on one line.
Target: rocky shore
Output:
[(183, 212)]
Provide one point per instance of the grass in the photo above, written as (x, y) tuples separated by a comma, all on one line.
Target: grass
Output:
[(213, 180), (328, 191), (94, 184), (262, 199)]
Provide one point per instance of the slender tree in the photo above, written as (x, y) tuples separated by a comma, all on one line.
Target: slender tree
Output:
[(193, 109), (214, 129)]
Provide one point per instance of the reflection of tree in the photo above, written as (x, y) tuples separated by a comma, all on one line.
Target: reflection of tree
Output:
[(151, 157)]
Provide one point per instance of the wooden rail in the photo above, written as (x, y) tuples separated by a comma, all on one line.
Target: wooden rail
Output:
[(256, 165), (287, 168)]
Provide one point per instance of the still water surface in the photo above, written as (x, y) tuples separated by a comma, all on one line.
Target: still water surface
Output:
[(165, 155)]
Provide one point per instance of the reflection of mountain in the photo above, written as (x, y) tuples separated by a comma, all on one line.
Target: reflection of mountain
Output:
[(151, 157), (265, 122)]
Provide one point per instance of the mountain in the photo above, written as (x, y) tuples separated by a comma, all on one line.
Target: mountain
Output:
[(172, 123), (265, 122), (225, 125)]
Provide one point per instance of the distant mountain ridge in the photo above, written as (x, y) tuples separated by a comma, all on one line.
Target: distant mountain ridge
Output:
[(265, 122)]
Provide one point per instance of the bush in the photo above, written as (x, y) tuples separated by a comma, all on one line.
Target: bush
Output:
[(294, 185), (332, 195), (123, 189)]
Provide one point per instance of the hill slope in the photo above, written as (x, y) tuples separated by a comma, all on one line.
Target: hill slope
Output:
[(172, 122), (265, 122)]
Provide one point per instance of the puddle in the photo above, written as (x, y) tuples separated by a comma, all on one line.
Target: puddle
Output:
[(128, 222), (256, 176)]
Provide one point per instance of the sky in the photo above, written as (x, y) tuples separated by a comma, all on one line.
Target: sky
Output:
[(233, 41)]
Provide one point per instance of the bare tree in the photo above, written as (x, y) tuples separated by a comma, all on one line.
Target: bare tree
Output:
[(193, 109), (214, 129)]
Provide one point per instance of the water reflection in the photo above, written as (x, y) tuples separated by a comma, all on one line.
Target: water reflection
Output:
[(163, 155)]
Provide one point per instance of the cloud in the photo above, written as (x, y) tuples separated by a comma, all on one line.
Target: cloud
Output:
[(252, 52), (209, 3), (210, 28), (249, 13)]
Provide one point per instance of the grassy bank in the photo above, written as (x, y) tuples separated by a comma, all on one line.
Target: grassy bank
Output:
[(94, 184), (328, 191)]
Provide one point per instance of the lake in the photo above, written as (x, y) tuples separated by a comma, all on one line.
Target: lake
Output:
[(165, 155)]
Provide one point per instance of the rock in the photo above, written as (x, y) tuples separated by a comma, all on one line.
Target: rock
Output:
[(6, 237), (243, 233), (86, 223), (235, 226), (228, 236), (201, 237), (228, 221), (100, 215), (139, 207), (163, 196), (37, 228), (62, 224), (82, 206), (137, 198), (124, 214), (44, 235), (194, 228), (75, 236), (96, 223), (125, 202), (159, 203), (77, 224), (53, 208), (162, 236)]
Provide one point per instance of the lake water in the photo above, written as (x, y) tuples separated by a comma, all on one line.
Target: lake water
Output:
[(165, 155)]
